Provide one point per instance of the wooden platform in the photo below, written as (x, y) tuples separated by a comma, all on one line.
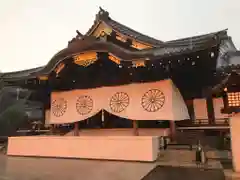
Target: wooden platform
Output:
[(126, 148)]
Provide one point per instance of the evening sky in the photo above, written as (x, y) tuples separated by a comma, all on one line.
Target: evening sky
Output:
[(32, 31)]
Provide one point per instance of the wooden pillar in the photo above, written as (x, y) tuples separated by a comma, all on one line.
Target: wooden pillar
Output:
[(172, 130), (135, 128), (52, 129), (210, 110), (76, 129)]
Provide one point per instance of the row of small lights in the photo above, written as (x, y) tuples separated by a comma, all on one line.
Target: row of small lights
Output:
[(169, 62)]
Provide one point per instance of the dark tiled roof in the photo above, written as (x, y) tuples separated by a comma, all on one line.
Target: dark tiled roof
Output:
[(167, 49), (198, 39), (104, 17), (170, 48), (23, 73), (229, 56), (231, 78), (132, 33)]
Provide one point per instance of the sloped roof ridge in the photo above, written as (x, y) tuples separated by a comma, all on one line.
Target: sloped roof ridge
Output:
[(221, 34), (26, 71), (103, 16), (156, 41)]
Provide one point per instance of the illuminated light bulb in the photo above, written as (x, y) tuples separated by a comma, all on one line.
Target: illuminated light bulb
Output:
[(212, 54)]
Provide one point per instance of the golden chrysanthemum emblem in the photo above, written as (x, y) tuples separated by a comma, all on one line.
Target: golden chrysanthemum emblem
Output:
[(59, 107), (84, 105), (153, 100), (119, 102)]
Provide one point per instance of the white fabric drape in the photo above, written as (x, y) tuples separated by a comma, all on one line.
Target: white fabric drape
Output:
[(144, 101)]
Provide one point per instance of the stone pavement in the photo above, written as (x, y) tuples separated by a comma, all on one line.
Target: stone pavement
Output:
[(191, 173), (23, 168), (184, 158), (230, 175)]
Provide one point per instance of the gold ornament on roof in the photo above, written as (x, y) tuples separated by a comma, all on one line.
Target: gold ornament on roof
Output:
[(59, 68), (121, 38), (138, 45), (85, 59), (114, 59), (43, 78), (108, 31), (139, 63), (102, 30)]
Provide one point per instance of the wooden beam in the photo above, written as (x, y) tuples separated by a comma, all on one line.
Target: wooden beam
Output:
[(210, 110), (172, 130), (52, 129)]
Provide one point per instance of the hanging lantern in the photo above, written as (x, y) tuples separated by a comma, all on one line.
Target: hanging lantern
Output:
[(231, 100), (231, 91)]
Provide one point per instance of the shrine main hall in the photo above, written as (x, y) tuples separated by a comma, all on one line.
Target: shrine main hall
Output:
[(118, 87)]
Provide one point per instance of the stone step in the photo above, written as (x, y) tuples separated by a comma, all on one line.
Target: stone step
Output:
[(179, 155), (187, 155)]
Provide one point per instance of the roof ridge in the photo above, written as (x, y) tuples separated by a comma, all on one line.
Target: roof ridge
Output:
[(137, 31), (24, 70), (103, 16), (197, 37)]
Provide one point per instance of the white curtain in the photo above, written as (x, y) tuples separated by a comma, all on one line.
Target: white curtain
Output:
[(144, 101)]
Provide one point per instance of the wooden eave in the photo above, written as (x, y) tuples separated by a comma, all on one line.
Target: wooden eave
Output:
[(232, 78), (88, 43)]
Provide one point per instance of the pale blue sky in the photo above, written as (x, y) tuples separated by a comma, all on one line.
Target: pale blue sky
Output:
[(32, 31)]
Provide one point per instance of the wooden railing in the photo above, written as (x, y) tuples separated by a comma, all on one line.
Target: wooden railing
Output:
[(203, 122), (222, 121)]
